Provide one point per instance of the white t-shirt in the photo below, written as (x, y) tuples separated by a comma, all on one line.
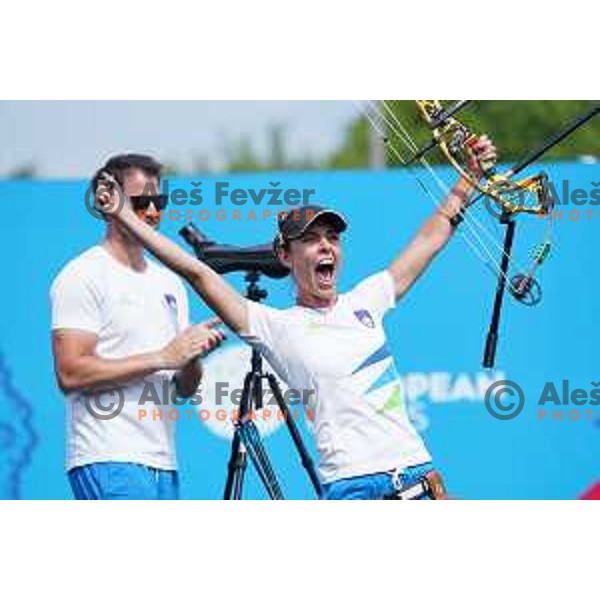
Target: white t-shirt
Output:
[(131, 313), (358, 411)]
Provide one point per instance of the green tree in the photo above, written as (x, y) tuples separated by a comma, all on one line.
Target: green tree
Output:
[(243, 156), (277, 150), (516, 126), (24, 171), (353, 152)]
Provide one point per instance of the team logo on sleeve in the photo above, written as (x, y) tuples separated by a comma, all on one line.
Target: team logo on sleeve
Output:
[(171, 301), (364, 316)]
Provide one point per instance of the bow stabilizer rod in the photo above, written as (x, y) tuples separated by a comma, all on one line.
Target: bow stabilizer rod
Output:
[(491, 342), (555, 139), (449, 112)]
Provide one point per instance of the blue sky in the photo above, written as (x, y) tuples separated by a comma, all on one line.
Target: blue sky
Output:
[(69, 139)]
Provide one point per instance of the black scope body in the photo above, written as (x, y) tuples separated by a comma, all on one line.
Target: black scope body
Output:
[(225, 258)]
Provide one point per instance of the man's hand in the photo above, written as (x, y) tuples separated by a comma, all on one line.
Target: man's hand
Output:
[(196, 341)]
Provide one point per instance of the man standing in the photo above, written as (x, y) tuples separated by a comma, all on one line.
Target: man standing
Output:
[(120, 324)]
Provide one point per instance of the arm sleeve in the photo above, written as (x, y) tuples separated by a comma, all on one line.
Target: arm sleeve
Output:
[(266, 332), (265, 327), (75, 303), (183, 312), (376, 294)]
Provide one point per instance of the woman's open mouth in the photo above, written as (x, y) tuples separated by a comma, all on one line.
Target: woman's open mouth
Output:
[(325, 271)]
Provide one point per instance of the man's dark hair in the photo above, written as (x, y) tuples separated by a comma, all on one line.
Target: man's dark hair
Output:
[(118, 165)]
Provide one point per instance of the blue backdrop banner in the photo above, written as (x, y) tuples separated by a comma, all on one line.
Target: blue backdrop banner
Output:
[(549, 450)]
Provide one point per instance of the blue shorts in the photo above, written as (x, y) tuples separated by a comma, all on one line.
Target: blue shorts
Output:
[(374, 486), (123, 481)]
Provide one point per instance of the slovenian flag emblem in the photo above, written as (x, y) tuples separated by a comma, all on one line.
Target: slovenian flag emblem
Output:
[(364, 316)]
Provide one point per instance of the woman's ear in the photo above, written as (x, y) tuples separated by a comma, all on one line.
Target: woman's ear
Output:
[(283, 254)]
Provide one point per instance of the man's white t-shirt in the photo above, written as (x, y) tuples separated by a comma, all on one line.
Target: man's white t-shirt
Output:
[(131, 313), (358, 409)]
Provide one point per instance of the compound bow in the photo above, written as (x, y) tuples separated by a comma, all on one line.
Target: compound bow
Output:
[(505, 197)]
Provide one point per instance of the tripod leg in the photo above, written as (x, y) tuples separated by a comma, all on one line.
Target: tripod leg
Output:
[(235, 469), (241, 472), (258, 455), (247, 443), (307, 461), (237, 458)]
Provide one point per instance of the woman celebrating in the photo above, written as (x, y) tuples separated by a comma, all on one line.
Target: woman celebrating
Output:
[(332, 343)]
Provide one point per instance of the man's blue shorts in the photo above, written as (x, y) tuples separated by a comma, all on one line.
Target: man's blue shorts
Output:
[(374, 486), (123, 481)]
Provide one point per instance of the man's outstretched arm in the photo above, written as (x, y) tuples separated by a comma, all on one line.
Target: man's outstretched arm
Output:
[(438, 229)]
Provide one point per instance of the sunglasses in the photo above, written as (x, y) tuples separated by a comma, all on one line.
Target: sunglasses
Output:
[(160, 201)]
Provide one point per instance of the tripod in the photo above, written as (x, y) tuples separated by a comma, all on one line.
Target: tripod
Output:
[(246, 438)]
